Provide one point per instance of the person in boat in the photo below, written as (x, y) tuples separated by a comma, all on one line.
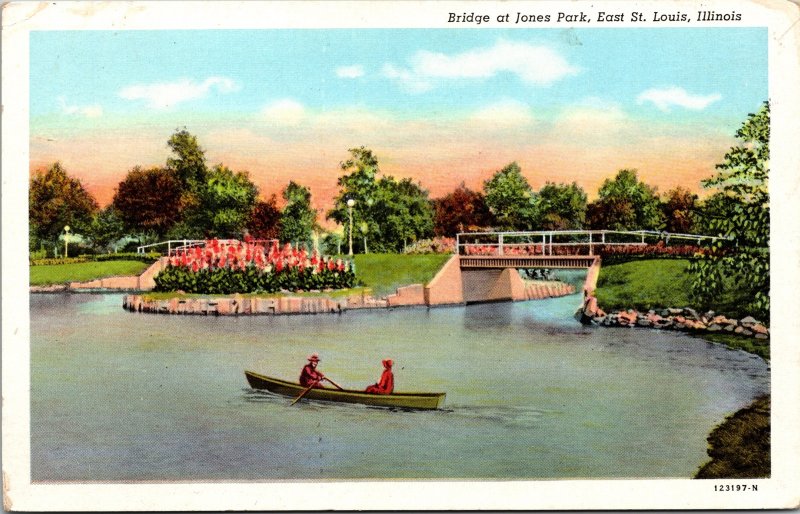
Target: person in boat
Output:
[(310, 375), (386, 384)]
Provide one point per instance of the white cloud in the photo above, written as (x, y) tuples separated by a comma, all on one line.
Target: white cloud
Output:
[(536, 65), (285, 111), (168, 94), (87, 111), (665, 98), (409, 80), (350, 72), (504, 112)]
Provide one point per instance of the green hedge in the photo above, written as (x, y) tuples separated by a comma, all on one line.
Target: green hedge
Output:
[(249, 280), (59, 260), (126, 256)]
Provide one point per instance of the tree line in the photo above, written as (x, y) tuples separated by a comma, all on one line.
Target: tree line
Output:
[(186, 198)]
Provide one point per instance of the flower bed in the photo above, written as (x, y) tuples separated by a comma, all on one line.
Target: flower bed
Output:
[(246, 267), (605, 250), (435, 245)]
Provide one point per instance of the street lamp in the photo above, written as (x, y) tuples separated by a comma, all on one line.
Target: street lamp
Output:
[(66, 241), (350, 204)]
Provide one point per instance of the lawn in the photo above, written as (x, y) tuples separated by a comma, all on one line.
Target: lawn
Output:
[(383, 273), (659, 283), (83, 271), (645, 284)]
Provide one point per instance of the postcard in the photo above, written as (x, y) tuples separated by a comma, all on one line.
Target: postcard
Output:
[(400, 255)]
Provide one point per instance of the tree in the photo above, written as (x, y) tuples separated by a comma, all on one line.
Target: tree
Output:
[(225, 204), (189, 161), (510, 199), (149, 201), (359, 185), (625, 203), (680, 211), (298, 219), (460, 210), (561, 207), (387, 213), (402, 214), (740, 212), (106, 229), (265, 220), (57, 200)]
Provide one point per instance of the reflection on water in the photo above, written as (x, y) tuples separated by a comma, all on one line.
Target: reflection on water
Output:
[(530, 394)]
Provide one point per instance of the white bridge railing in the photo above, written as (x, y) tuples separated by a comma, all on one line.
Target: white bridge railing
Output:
[(542, 242), (174, 245)]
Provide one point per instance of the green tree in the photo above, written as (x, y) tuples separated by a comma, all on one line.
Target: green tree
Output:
[(56, 200), (188, 161), (149, 201), (401, 213), (387, 214), (105, 229), (460, 210), (625, 203), (358, 184), (510, 199), (561, 207), (298, 219), (742, 183), (225, 205)]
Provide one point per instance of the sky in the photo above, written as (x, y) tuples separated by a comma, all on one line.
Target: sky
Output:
[(442, 106)]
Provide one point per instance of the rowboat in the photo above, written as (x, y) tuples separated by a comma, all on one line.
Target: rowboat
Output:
[(422, 401)]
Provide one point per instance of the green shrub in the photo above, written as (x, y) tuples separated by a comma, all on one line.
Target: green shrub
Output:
[(250, 280), (127, 256), (59, 260)]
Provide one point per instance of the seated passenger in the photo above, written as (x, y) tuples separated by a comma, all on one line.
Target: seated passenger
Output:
[(386, 384)]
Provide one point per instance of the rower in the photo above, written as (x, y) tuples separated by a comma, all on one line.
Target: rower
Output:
[(309, 375)]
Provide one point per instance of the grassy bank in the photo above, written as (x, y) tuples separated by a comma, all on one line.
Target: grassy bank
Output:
[(83, 271), (660, 283), (644, 285), (740, 446), (383, 273)]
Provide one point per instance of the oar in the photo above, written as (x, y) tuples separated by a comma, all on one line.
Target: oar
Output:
[(334, 383), (306, 390)]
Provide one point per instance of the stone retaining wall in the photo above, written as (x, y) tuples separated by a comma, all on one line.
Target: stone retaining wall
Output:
[(236, 304), (412, 295)]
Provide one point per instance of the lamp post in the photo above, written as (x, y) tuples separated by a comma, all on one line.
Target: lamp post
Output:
[(66, 241), (350, 204)]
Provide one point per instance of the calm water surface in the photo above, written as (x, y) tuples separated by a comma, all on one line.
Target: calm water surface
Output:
[(530, 394)]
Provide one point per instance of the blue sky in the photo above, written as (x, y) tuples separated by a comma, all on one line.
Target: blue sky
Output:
[(246, 91)]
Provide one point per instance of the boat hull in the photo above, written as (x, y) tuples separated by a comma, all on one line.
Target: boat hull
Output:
[(422, 401)]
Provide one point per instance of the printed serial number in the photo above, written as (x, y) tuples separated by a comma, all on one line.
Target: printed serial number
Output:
[(736, 487)]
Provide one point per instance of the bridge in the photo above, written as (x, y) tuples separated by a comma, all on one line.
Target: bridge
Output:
[(559, 249), (484, 266)]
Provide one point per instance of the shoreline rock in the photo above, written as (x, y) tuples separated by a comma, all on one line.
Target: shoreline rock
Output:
[(683, 319)]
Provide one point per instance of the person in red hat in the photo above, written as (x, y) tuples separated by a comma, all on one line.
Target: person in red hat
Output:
[(386, 384), (310, 376)]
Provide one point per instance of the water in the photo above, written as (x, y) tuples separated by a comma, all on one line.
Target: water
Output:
[(118, 396)]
